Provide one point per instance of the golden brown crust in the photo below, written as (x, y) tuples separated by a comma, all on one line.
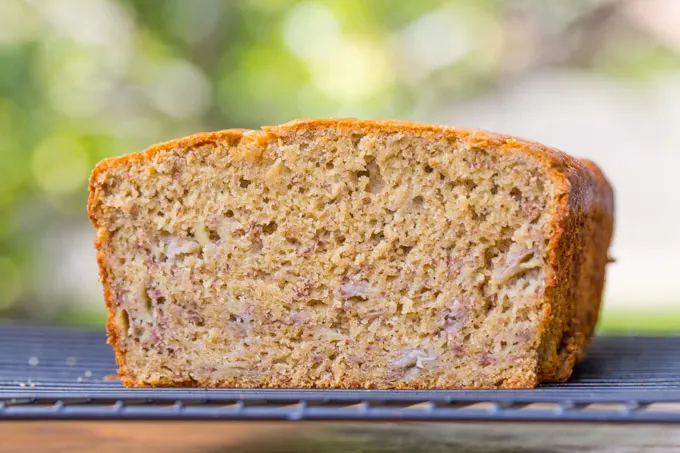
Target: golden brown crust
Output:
[(582, 230)]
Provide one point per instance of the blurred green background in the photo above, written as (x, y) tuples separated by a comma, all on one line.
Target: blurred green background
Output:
[(81, 80)]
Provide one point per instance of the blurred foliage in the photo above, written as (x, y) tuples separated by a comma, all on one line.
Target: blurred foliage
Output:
[(639, 321), (81, 80)]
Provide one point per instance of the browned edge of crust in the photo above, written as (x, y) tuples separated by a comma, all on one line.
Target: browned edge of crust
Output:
[(583, 222), (583, 228), (518, 383)]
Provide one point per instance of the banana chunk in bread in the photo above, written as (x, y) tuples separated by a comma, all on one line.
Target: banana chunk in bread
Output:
[(350, 254)]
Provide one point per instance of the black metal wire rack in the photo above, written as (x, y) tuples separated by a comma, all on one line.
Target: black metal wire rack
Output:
[(55, 373)]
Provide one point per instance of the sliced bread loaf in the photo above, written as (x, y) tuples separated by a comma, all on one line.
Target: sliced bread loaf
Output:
[(350, 254)]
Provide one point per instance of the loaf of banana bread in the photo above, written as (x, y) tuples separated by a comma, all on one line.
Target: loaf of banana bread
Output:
[(350, 254)]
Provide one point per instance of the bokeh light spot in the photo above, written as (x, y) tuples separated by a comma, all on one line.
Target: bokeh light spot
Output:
[(193, 21), (436, 39), (79, 86), (180, 90), (18, 22), (311, 31), (60, 165), (356, 72)]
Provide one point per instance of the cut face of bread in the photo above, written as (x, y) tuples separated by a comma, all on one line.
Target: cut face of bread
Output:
[(350, 254)]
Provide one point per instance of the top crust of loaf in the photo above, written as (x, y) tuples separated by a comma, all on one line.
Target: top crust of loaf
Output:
[(581, 228), (558, 161)]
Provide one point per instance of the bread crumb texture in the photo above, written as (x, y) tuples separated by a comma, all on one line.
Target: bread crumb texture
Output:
[(350, 254)]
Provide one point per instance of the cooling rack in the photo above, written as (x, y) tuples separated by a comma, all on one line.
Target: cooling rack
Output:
[(57, 373)]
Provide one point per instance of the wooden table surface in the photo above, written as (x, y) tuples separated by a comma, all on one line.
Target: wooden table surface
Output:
[(220, 436)]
